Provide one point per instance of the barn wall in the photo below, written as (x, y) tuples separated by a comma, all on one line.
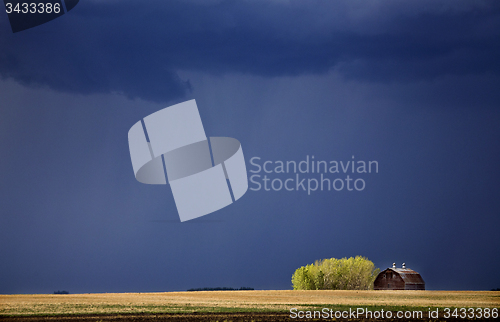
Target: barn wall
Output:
[(420, 287), (388, 280)]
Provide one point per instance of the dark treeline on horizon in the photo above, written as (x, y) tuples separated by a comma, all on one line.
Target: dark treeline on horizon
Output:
[(220, 289)]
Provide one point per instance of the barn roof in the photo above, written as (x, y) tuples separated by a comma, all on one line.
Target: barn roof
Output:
[(409, 276)]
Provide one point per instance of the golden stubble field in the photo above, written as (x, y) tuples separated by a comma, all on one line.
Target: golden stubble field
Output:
[(234, 301)]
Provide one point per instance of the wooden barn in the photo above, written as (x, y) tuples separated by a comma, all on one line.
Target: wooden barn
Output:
[(399, 279)]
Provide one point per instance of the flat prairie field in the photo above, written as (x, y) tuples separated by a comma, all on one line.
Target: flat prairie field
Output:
[(237, 301)]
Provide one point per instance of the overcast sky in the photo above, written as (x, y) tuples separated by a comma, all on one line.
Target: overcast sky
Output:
[(413, 85)]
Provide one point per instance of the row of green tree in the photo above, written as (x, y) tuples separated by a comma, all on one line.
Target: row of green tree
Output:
[(356, 273)]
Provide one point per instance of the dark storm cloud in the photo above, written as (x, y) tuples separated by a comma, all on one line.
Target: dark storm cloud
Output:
[(136, 48)]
